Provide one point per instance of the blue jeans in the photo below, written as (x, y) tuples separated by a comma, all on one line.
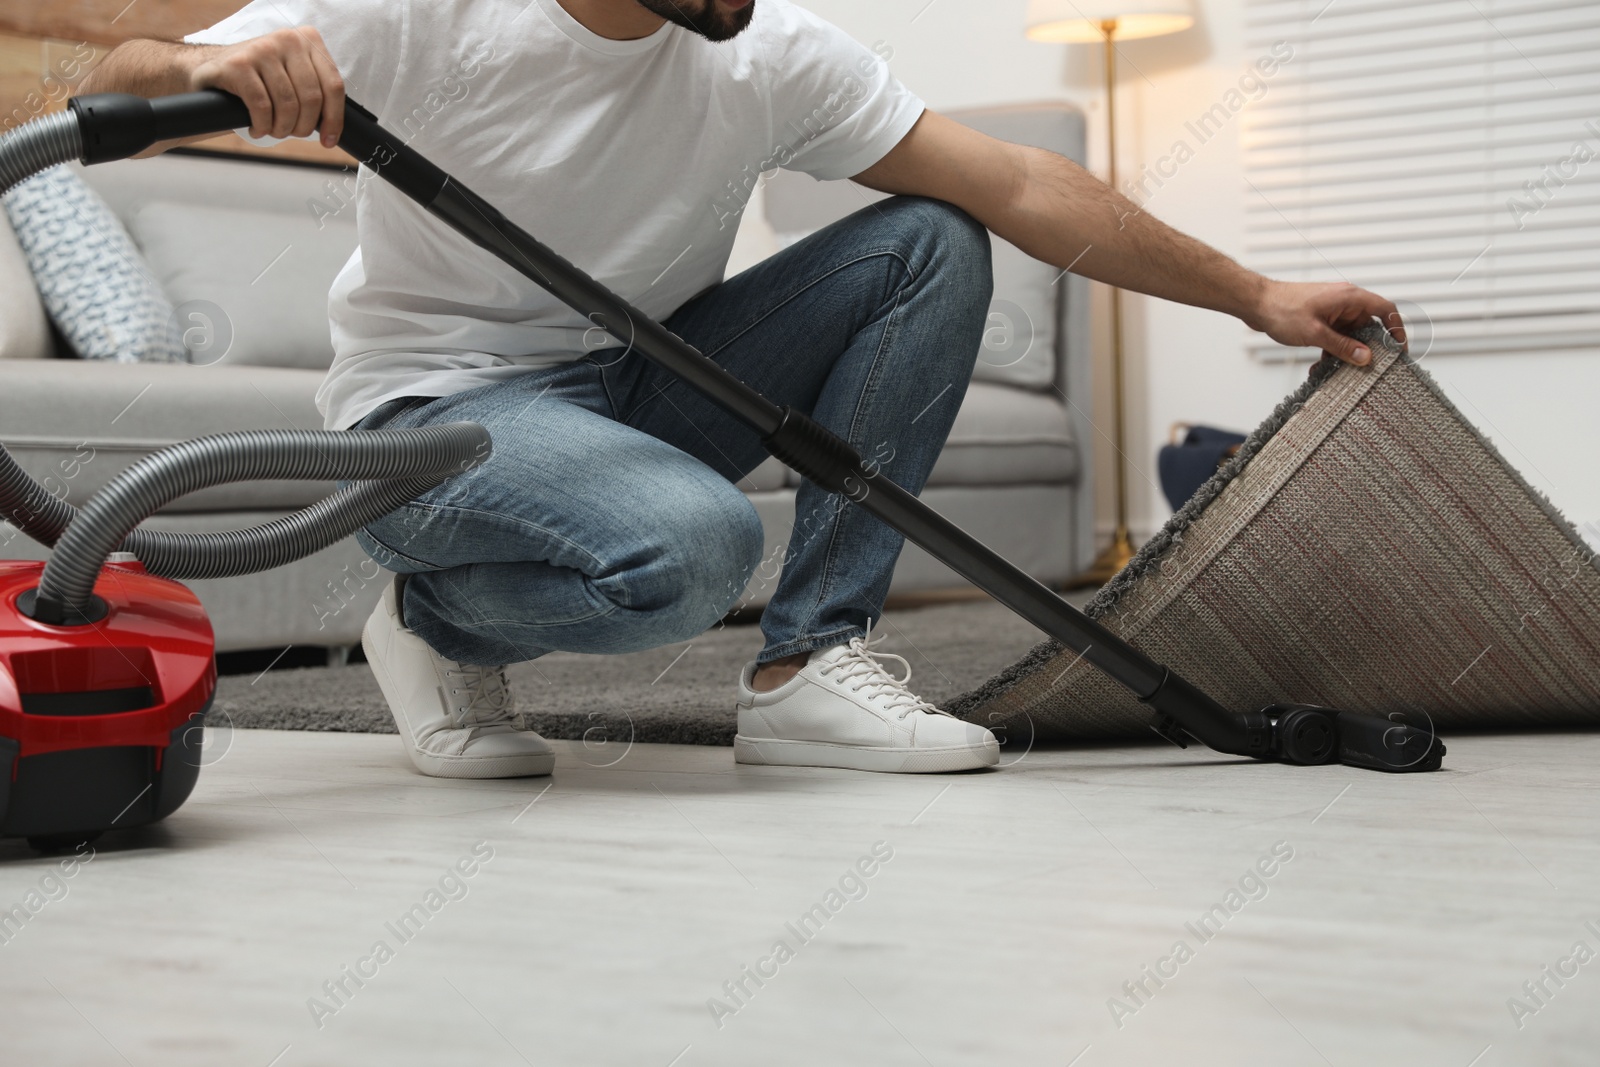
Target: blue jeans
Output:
[(609, 518)]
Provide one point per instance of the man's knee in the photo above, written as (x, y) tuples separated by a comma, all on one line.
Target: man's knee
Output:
[(703, 550), (951, 242), (726, 544)]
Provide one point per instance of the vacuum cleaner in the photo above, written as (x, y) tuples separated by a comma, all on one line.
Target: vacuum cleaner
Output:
[(107, 662), (105, 127)]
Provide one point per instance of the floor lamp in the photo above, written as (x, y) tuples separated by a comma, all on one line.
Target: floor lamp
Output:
[(1106, 22)]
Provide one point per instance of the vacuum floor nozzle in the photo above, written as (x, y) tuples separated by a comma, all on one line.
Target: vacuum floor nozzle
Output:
[(1308, 735)]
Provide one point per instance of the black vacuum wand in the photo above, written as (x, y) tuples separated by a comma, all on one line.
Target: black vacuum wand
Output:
[(114, 126)]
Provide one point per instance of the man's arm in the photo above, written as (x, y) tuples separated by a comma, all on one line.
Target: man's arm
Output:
[(287, 78), (1056, 211)]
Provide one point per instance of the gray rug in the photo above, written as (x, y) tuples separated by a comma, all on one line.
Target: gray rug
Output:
[(682, 694), (1367, 549)]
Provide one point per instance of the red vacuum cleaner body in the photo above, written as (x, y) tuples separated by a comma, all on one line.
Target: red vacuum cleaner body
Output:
[(101, 724)]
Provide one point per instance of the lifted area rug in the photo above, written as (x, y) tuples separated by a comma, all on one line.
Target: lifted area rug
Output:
[(1367, 549)]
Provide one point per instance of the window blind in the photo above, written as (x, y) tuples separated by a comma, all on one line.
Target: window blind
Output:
[(1444, 153)]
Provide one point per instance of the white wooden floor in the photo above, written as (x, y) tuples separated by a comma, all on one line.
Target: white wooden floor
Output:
[(1014, 908)]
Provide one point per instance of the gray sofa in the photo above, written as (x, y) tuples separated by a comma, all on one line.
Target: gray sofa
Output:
[(246, 254)]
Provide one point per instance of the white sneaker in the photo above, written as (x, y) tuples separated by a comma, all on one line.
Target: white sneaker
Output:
[(457, 721), (844, 709)]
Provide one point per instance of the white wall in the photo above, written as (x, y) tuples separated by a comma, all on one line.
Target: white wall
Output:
[(1184, 363)]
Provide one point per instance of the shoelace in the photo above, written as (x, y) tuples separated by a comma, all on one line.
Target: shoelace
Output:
[(869, 670), (491, 700)]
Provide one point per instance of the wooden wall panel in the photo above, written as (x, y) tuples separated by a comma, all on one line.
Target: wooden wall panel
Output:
[(112, 21)]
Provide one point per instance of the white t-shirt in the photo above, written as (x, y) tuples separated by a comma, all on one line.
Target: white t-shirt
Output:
[(633, 159)]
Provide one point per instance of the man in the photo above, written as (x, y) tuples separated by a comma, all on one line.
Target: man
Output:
[(627, 134)]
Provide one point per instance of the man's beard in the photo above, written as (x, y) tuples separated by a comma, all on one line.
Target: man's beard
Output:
[(703, 17)]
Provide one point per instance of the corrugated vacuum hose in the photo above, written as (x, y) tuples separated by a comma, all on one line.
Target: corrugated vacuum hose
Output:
[(387, 467)]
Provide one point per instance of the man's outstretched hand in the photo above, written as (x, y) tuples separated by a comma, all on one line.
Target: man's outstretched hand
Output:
[(1056, 211), (1318, 314)]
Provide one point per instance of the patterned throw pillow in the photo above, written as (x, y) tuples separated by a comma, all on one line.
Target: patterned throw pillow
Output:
[(94, 282)]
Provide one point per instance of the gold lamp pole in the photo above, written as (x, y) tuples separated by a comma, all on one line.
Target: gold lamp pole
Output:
[(1108, 21), (1120, 550)]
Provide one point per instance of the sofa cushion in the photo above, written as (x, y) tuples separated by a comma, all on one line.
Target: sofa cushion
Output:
[(1005, 436), (93, 281), (73, 427), (24, 330), (201, 179), (250, 286)]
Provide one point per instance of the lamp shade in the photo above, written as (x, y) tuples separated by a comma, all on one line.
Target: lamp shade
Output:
[(1081, 20)]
